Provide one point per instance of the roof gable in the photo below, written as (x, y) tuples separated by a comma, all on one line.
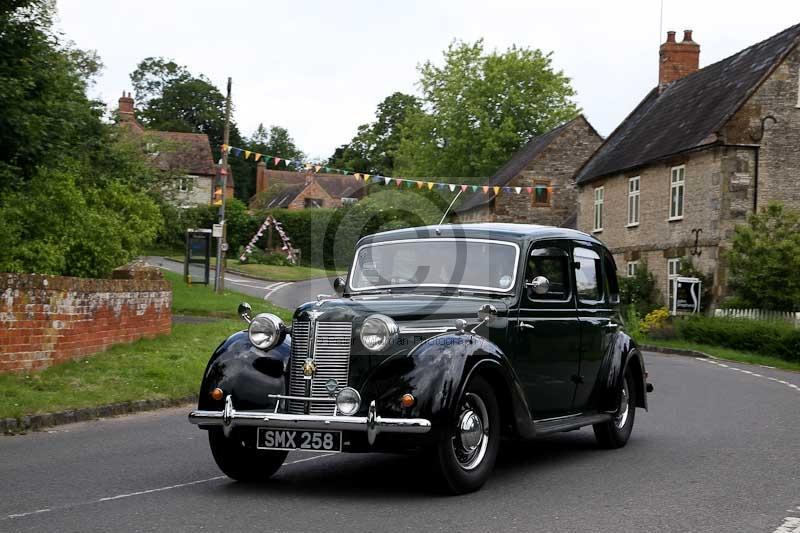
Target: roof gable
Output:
[(186, 152), (518, 162), (690, 111)]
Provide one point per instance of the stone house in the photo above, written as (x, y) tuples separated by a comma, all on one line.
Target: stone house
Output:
[(546, 163), (301, 190), (705, 148), (186, 156)]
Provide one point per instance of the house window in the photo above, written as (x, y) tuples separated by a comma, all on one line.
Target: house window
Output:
[(348, 201), (541, 193), (676, 192), (598, 209), (673, 271), (632, 266), (312, 202), (633, 201), (186, 183)]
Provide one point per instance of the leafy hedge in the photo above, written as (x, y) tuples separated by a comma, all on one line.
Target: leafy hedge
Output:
[(776, 339)]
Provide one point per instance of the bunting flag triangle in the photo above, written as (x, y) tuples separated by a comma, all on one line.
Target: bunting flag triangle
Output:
[(464, 188), (430, 185), (327, 169), (287, 162), (518, 189), (225, 148), (452, 187), (246, 154), (420, 185), (276, 160), (258, 156), (530, 189), (366, 177), (357, 175), (506, 189), (485, 189), (398, 182), (496, 190), (409, 183), (236, 151), (474, 188), (317, 168), (386, 181)]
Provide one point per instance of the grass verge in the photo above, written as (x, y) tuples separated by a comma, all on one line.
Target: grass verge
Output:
[(166, 367), (725, 353), (272, 272)]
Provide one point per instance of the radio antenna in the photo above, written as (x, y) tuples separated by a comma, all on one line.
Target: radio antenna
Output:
[(446, 211)]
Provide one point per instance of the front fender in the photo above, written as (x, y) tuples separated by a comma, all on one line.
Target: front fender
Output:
[(437, 371), (246, 372), (621, 355)]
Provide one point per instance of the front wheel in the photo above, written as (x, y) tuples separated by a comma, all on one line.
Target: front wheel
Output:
[(616, 432), (239, 459), (466, 454)]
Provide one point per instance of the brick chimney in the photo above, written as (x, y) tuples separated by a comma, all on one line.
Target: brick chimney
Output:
[(126, 108), (262, 180), (677, 59)]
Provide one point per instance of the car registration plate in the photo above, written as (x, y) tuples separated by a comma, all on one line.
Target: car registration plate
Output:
[(289, 439)]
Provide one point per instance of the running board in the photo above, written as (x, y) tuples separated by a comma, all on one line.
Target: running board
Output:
[(557, 425)]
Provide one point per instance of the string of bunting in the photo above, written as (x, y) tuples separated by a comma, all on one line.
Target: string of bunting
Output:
[(385, 180), (287, 243)]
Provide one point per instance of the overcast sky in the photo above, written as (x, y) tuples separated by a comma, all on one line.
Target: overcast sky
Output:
[(319, 68)]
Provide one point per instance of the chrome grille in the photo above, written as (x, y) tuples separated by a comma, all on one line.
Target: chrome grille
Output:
[(332, 356)]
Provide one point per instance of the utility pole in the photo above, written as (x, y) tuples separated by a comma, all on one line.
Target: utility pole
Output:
[(219, 279)]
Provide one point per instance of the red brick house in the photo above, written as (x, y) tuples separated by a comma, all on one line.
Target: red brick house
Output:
[(548, 163), (185, 155), (306, 190)]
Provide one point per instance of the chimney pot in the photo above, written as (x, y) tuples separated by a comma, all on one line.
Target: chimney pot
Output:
[(677, 60), (670, 36), (687, 35)]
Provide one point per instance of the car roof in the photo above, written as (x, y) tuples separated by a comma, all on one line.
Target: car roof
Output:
[(488, 230)]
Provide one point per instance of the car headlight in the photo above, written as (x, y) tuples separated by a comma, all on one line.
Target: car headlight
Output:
[(377, 332), (266, 330), (348, 401)]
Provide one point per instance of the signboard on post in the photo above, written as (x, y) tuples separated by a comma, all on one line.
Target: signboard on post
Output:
[(216, 231), (685, 295)]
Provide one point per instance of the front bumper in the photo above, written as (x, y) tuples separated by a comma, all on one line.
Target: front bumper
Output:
[(372, 424)]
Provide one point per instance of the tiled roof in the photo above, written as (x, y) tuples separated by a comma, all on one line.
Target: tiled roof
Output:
[(515, 165), (286, 196), (185, 152), (690, 111)]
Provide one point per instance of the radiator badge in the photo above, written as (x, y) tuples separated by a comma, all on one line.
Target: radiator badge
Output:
[(309, 368)]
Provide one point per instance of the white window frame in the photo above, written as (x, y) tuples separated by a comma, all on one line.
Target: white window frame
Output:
[(631, 268), (677, 192), (673, 271), (599, 196), (186, 183), (634, 190)]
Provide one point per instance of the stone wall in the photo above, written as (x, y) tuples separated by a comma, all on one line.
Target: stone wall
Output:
[(45, 320)]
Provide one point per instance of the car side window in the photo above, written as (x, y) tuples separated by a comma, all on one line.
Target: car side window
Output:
[(612, 286), (553, 264), (587, 275)]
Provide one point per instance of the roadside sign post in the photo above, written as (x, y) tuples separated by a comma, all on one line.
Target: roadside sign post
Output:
[(686, 294)]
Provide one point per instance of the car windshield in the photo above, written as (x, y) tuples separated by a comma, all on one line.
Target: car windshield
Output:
[(472, 264)]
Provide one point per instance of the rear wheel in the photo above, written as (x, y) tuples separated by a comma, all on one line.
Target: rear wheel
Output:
[(239, 459), (466, 454), (616, 432)]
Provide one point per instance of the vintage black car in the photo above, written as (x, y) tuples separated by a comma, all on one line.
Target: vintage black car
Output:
[(442, 340)]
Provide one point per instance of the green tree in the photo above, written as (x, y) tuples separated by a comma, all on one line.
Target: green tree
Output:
[(640, 291), (764, 260), (375, 145), (274, 141), (479, 108)]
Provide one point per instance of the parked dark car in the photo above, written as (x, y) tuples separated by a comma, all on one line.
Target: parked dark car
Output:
[(442, 341)]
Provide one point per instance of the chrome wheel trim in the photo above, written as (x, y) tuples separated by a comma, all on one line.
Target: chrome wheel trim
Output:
[(471, 438), (624, 405)]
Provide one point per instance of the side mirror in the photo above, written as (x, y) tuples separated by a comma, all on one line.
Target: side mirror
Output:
[(540, 285), (244, 311), (338, 286)]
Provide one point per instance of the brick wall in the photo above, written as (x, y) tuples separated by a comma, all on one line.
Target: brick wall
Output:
[(315, 191), (49, 319)]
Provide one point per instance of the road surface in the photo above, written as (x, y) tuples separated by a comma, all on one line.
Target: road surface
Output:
[(719, 451), (283, 294)]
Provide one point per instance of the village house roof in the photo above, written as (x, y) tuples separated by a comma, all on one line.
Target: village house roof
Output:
[(295, 183), (511, 169), (286, 196), (689, 112), (187, 152)]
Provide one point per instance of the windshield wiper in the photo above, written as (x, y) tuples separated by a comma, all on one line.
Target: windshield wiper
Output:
[(373, 291)]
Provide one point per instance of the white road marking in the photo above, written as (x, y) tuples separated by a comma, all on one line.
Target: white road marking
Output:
[(791, 524), (750, 373), (274, 287), (142, 492)]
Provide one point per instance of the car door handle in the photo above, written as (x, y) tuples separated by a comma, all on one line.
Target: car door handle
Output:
[(525, 325)]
